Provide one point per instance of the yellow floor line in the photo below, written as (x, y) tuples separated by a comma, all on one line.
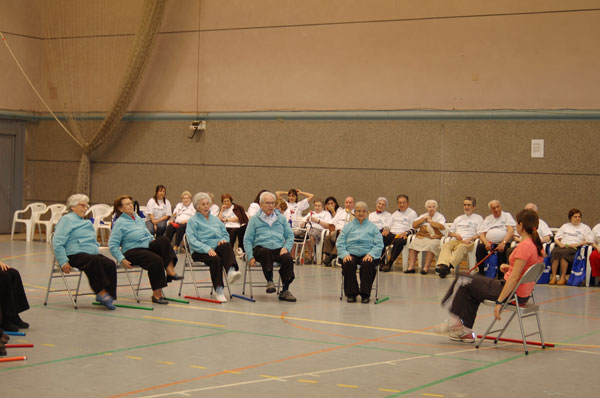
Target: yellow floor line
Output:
[(182, 321), (232, 371), (198, 367), (22, 255), (36, 286), (346, 385), (386, 390), (291, 318), (138, 358), (307, 381), (167, 363), (48, 345), (431, 395)]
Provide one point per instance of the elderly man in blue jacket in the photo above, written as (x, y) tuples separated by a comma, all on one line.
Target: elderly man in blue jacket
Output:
[(269, 239)]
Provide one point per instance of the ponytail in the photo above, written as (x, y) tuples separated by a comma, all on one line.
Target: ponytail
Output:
[(530, 221)]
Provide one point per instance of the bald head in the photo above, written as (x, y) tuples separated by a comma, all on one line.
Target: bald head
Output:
[(531, 206)]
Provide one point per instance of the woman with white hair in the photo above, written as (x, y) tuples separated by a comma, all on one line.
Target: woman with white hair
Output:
[(76, 246), (132, 244), (359, 245), (181, 215), (429, 232), (209, 243)]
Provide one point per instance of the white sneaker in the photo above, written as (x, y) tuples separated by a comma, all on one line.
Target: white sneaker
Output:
[(221, 298), (240, 252), (233, 276), (462, 335)]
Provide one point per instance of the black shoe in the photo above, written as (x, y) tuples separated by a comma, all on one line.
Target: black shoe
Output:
[(161, 300), (2, 350), (10, 327), (365, 300), (410, 271), (3, 337), (442, 270), (171, 278), (351, 299), (424, 272), (327, 261), (385, 268), (21, 324)]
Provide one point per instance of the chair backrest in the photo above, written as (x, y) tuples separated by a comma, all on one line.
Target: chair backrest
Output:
[(37, 207), (57, 211), (533, 273)]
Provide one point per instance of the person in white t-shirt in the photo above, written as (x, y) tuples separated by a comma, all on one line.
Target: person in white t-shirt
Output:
[(338, 221), (464, 233), (496, 231), (380, 216), (158, 210), (429, 227), (568, 239), (235, 220), (181, 215), (255, 206), (316, 221), (294, 206), (397, 229), (214, 208)]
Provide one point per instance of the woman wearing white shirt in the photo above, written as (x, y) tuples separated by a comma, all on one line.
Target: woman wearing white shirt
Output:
[(428, 237), (293, 205), (235, 220), (318, 220), (181, 215), (158, 210), (568, 239), (254, 206)]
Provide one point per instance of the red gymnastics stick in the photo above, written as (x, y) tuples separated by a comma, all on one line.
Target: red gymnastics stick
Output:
[(11, 359), (482, 260), (203, 299), (516, 341), (19, 345)]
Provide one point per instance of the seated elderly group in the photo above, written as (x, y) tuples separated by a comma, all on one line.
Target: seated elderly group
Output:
[(359, 239)]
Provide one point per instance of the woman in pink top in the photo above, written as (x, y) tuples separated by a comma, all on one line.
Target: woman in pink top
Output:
[(466, 293)]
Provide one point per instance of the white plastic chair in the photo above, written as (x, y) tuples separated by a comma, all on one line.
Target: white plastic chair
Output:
[(36, 209), (56, 212)]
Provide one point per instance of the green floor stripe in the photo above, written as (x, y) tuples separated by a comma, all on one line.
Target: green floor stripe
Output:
[(112, 351), (580, 337)]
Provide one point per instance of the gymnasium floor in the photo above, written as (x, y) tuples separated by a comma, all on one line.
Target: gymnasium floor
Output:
[(319, 346)]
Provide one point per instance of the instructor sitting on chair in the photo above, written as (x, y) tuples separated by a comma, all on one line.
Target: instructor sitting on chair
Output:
[(359, 244), (269, 239), (76, 246)]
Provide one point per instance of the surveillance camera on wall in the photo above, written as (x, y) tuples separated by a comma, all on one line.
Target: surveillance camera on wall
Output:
[(198, 125)]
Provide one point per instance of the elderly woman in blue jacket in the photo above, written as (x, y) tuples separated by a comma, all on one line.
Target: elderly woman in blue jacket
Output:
[(359, 244), (209, 241), (76, 246), (131, 243), (269, 239)]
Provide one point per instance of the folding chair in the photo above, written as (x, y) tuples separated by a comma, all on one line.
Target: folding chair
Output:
[(248, 270), (56, 272), (191, 266), (522, 311), (375, 283)]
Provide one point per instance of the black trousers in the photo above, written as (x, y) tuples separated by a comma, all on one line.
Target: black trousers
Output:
[(367, 274), (101, 271), (178, 232), (12, 295), (467, 294), (155, 260), (481, 252), (267, 257), (224, 259), (398, 245), (237, 233)]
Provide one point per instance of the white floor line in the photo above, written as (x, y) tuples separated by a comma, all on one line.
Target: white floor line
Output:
[(281, 378)]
